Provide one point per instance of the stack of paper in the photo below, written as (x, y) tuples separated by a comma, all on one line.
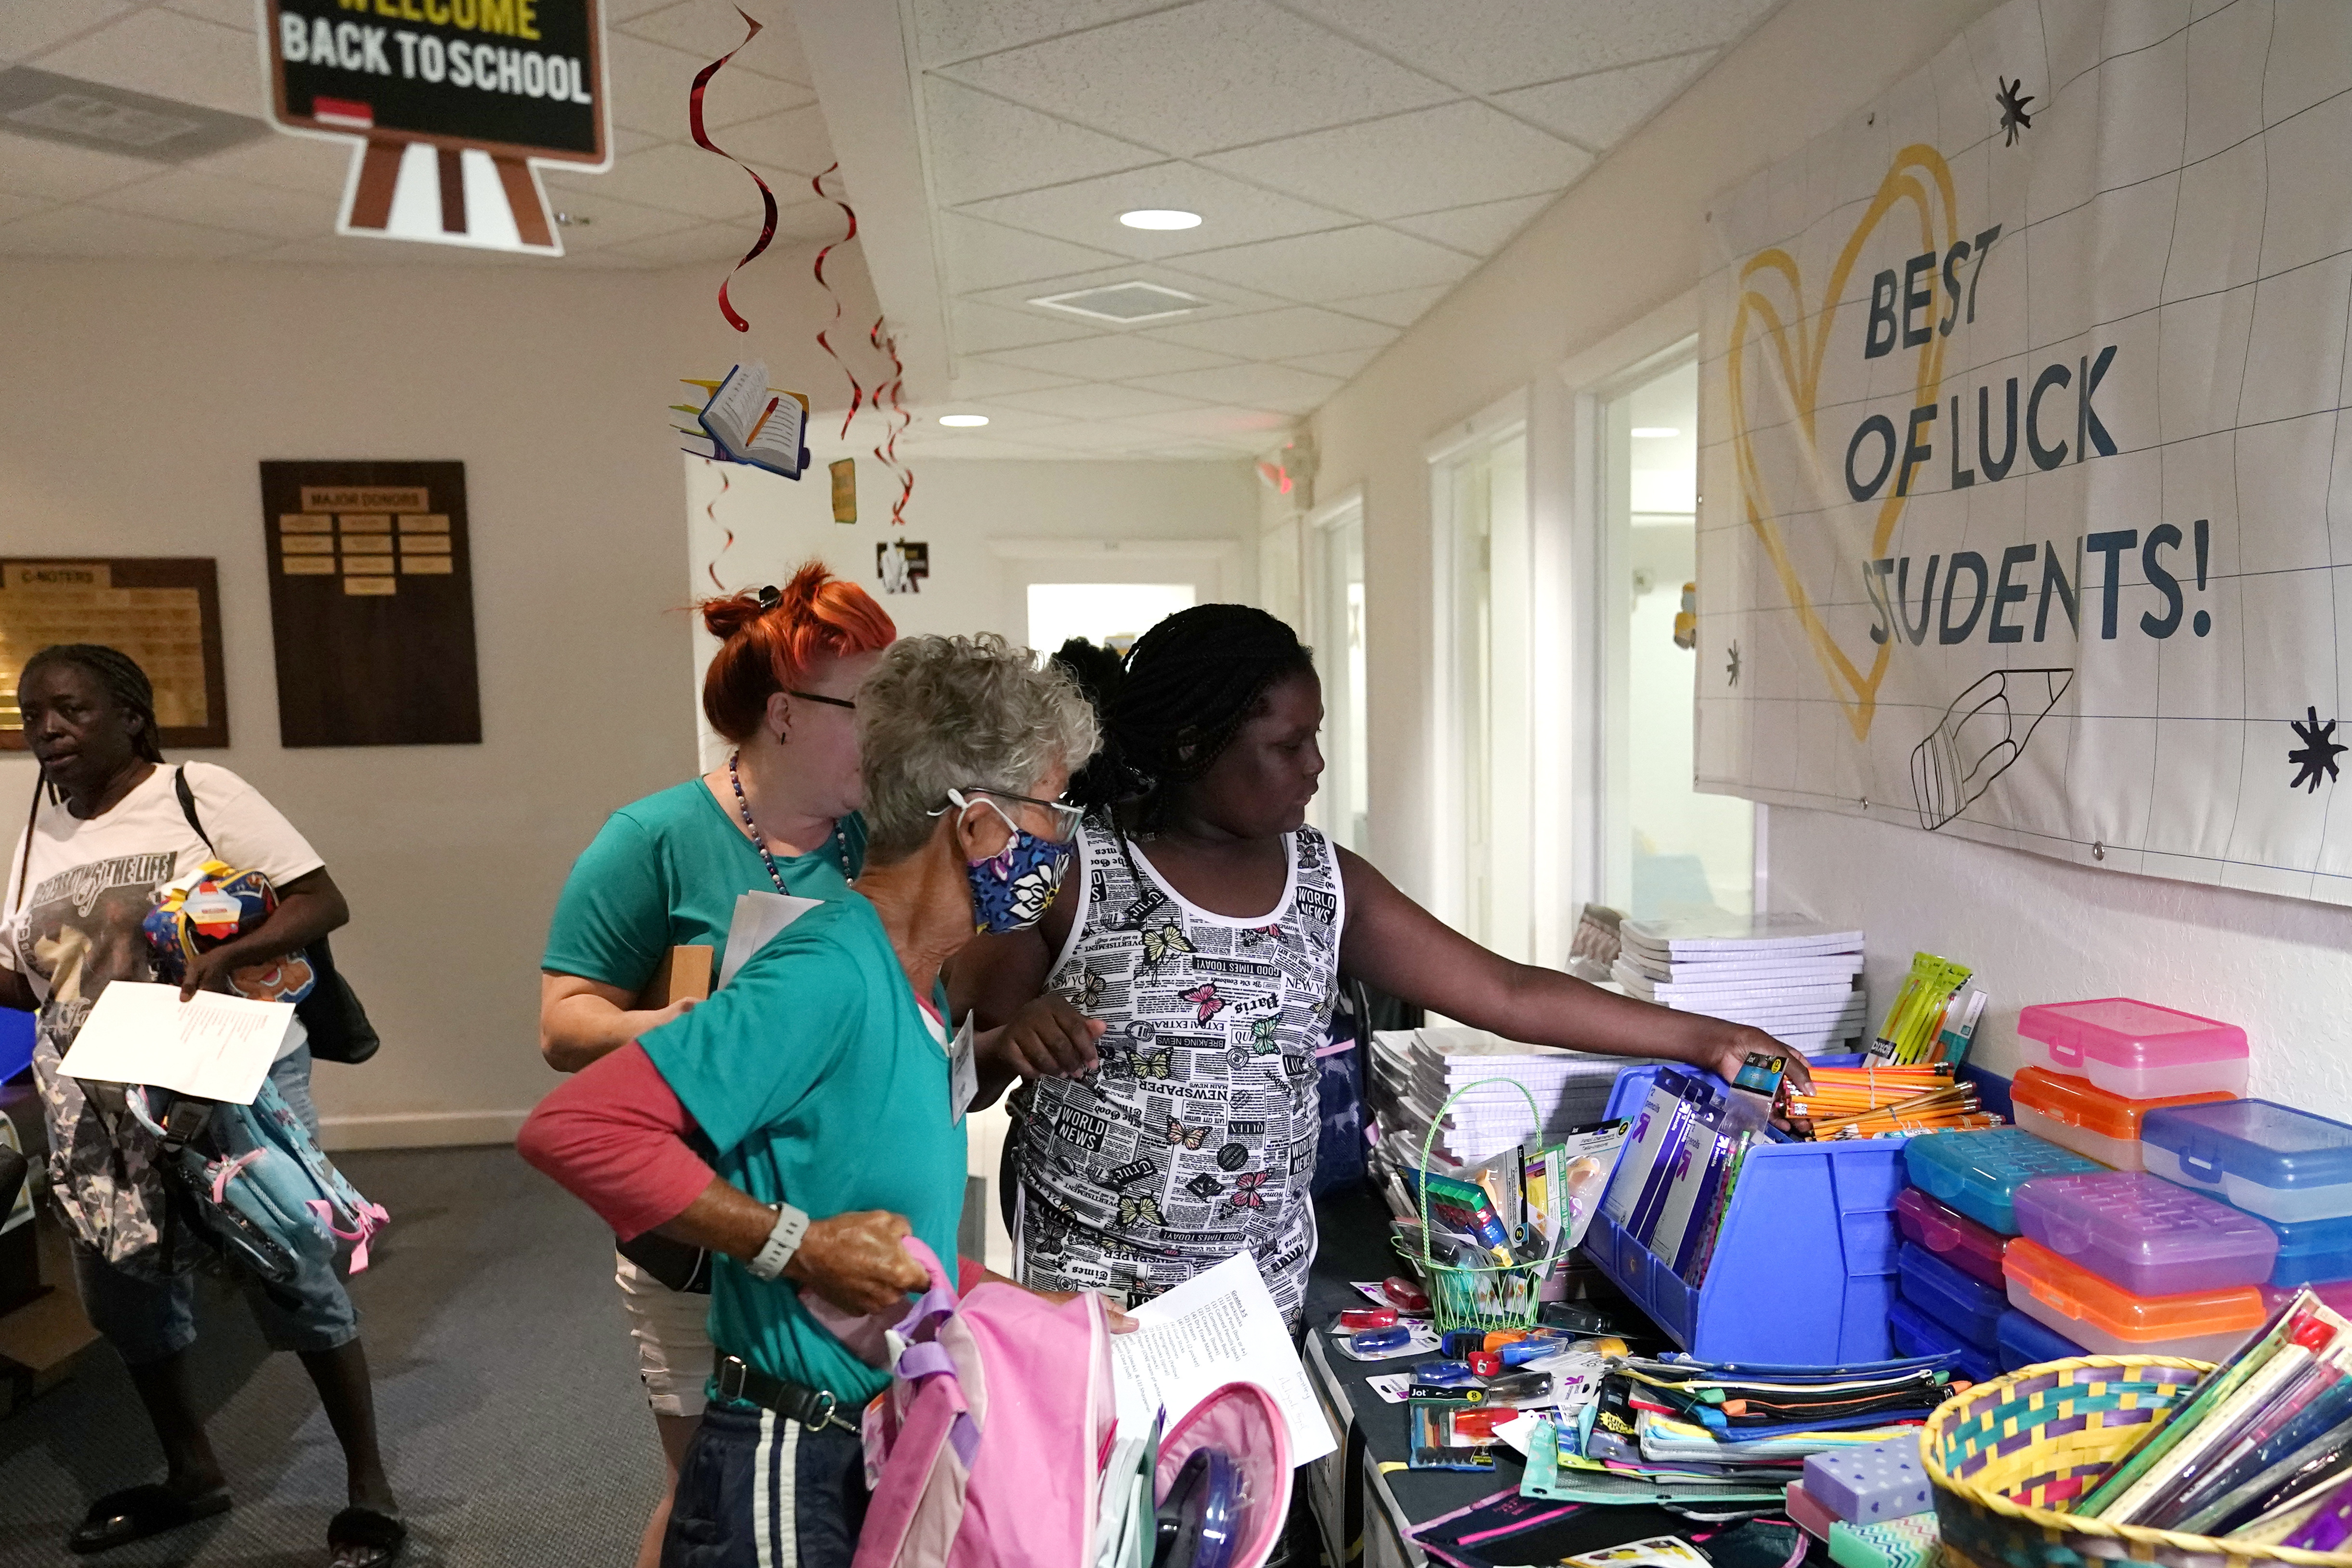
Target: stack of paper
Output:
[(1415, 1071), (1791, 975)]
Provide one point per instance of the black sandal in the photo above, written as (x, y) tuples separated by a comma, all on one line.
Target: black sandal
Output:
[(137, 1513), (378, 1535)]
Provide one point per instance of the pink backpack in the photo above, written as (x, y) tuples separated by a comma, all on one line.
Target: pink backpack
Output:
[(986, 1447)]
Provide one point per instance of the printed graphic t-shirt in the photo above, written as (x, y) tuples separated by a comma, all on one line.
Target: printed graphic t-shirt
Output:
[(77, 893), (664, 872), (815, 1076)]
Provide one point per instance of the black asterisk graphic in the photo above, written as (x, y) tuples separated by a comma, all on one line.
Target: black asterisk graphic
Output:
[(1732, 667), (2013, 102), (2318, 754)]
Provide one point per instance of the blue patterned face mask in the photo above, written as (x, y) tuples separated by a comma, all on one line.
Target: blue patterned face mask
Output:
[(1012, 889)]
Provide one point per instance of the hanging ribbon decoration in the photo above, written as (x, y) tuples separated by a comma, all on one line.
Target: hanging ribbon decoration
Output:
[(711, 511), (703, 140), (887, 454), (857, 391)]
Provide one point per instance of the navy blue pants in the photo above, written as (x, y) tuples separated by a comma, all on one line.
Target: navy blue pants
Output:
[(760, 1490)]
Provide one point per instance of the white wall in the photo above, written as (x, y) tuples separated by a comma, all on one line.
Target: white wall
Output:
[(137, 402), (1626, 241)]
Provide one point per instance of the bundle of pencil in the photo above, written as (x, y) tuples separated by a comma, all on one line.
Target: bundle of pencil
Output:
[(1850, 1102), (1953, 1105)]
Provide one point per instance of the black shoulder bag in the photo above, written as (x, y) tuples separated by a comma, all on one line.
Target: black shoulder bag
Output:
[(331, 1015)]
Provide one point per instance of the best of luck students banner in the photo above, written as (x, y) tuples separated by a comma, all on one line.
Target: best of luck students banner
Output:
[(2027, 487)]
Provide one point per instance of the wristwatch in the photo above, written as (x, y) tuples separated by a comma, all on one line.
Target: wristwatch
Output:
[(792, 1223)]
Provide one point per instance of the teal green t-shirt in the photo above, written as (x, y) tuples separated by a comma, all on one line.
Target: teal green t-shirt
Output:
[(666, 872), (815, 1076)]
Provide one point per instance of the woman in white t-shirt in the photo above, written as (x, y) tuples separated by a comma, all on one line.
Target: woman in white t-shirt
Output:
[(107, 833)]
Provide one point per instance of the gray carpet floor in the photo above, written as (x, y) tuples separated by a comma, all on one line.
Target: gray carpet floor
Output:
[(506, 1390)]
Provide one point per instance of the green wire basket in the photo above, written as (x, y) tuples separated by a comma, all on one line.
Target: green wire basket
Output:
[(1502, 1297)]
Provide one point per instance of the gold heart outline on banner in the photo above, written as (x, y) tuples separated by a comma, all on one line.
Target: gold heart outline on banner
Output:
[(1801, 369)]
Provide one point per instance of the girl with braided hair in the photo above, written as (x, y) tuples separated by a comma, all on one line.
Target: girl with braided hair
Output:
[(1165, 1015), (110, 830)]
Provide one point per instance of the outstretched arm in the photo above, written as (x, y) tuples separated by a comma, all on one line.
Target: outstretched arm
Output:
[(1395, 944)]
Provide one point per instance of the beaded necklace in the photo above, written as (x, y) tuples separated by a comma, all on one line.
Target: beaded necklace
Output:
[(759, 839)]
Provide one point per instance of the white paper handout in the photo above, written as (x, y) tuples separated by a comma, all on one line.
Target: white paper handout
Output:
[(758, 918), (217, 1046), (1216, 1328)]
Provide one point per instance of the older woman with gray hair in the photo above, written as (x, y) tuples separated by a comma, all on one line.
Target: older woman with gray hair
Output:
[(824, 1078)]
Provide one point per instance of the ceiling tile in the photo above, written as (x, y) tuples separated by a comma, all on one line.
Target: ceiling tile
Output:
[(1217, 299), (1252, 428), (1599, 109), (712, 27), (952, 30), (811, 219), (1457, 152), (307, 164), (31, 26), (1107, 440), (1482, 229), (1217, 74), (1001, 420), (1232, 213), (1320, 268), (1283, 334), (32, 167), (680, 178), (612, 223), (964, 443), (171, 56), (979, 329), (1343, 365), (650, 84), (1097, 401), (991, 256), (86, 231), (979, 146), (1484, 45), (222, 12), (1397, 307), (711, 242), (980, 378), (794, 139), (14, 208), (1271, 386), (1112, 357), (186, 196)]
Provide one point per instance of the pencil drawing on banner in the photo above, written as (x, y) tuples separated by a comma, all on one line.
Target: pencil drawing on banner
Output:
[(2022, 391)]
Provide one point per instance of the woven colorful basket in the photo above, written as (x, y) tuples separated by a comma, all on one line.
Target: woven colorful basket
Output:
[(2009, 1456)]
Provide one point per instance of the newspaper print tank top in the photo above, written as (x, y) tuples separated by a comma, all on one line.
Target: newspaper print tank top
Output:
[(1194, 1137)]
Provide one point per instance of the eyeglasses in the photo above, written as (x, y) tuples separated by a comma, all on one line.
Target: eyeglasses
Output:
[(818, 697), (1066, 816)]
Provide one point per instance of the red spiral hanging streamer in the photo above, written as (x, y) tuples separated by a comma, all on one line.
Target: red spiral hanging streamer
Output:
[(857, 391), (711, 511), (703, 140), (887, 454)]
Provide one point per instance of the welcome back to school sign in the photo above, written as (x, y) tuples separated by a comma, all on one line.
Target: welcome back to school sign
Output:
[(2028, 489)]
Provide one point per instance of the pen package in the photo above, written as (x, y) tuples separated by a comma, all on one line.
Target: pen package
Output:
[(1681, 1199), (1660, 1109), (1452, 1434)]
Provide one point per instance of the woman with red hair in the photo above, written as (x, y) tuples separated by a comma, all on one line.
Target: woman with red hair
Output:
[(780, 817)]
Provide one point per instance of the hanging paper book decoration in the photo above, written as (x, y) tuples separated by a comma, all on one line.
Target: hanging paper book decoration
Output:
[(703, 140), (747, 421), (844, 471), (902, 565)]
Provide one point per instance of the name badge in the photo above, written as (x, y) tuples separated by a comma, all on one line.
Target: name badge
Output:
[(963, 1074)]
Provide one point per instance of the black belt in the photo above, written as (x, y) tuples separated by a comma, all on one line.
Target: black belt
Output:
[(814, 1408)]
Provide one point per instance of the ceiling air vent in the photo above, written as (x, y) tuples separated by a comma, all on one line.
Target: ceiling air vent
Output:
[(114, 119), (1123, 302)]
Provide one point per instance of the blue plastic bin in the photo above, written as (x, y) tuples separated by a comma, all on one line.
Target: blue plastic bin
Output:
[(1915, 1333), (2311, 1252), (1968, 1307), (1978, 1172), (2029, 1342)]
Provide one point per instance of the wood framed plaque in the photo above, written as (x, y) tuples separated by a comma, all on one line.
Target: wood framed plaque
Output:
[(163, 611), (371, 604)]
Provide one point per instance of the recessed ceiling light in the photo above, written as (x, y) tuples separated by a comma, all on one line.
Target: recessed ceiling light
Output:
[(1159, 217), (1655, 432), (963, 421)]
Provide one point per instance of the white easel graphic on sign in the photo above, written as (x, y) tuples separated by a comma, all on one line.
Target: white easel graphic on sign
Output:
[(454, 103)]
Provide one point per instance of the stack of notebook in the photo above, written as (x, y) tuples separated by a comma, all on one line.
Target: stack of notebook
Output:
[(1414, 1071), (1791, 975)]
